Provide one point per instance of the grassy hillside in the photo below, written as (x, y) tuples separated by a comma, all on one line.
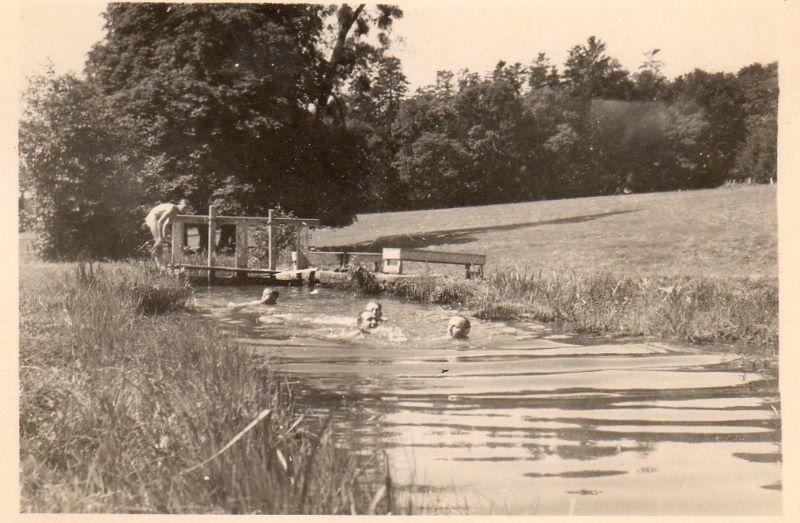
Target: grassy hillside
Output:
[(718, 232)]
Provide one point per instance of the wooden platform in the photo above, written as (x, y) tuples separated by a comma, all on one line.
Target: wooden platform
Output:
[(194, 219), (243, 271), (229, 269)]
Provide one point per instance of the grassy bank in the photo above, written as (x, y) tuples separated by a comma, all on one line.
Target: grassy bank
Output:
[(124, 398), (742, 312), (718, 233), (690, 266)]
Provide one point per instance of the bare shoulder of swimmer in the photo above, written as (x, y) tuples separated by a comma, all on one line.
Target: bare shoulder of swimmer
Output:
[(458, 327), (268, 297)]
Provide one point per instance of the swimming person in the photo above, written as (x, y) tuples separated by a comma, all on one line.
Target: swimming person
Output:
[(159, 218), (367, 321), (375, 308), (268, 297), (458, 327)]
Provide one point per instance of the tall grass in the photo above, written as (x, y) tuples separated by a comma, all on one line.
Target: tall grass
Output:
[(690, 309), (118, 406)]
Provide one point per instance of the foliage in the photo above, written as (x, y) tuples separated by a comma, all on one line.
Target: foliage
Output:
[(300, 106), (219, 103), (360, 278), (590, 73), (758, 156), (526, 133), (75, 161)]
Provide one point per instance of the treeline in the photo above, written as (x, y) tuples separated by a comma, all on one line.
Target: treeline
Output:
[(533, 132), (303, 107)]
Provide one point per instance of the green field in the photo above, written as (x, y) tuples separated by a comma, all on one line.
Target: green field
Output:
[(717, 232)]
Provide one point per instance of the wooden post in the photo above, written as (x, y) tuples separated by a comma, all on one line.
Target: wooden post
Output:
[(212, 240), (241, 248), (300, 261), (177, 241), (270, 239), (392, 261)]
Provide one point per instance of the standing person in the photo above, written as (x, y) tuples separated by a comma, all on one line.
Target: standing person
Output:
[(159, 218)]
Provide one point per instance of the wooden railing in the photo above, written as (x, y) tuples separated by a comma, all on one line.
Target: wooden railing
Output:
[(212, 220)]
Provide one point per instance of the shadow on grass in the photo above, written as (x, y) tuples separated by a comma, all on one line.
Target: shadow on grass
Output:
[(457, 236)]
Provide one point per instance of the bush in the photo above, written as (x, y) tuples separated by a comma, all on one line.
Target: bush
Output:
[(74, 159)]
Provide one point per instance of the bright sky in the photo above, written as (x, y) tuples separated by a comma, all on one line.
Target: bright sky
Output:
[(714, 35)]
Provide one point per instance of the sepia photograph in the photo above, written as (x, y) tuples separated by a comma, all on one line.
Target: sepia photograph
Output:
[(424, 259)]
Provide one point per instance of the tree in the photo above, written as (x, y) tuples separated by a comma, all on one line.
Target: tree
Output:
[(590, 73), (434, 171), (71, 156), (218, 97), (719, 97), (346, 38), (757, 158), (649, 83), (373, 101), (542, 73)]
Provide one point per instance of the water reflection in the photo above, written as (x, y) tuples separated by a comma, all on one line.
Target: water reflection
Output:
[(515, 420)]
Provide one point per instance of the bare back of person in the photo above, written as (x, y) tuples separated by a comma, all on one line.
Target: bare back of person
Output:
[(159, 218)]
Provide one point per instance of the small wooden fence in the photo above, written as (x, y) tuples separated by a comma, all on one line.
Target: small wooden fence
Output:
[(390, 261), (393, 260)]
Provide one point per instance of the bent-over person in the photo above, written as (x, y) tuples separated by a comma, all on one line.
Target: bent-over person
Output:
[(159, 218)]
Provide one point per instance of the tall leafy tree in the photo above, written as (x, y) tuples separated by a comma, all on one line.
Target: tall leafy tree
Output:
[(72, 159), (757, 158), (650, 84), (214, 102), (542, 73), (590, 73), (346, 47), (219, 96), (719, 97), (373, 102)]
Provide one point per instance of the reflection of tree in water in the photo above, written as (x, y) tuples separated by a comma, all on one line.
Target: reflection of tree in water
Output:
[(586, 450)]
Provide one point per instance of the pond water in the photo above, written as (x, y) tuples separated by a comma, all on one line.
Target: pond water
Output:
[(516, 420)]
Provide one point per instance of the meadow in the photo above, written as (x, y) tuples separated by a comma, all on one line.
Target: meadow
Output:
[(725, 233), (697, 267)]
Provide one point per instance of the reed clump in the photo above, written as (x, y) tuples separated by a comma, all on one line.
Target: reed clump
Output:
[(692, 309), (119, 404)]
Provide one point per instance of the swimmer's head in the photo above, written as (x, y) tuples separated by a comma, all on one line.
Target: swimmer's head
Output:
[(367, 321), (269, 296), (375, 308), (458, 327), (183, 204)]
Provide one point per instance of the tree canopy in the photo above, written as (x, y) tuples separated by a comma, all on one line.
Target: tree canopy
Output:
[(303, 107)]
